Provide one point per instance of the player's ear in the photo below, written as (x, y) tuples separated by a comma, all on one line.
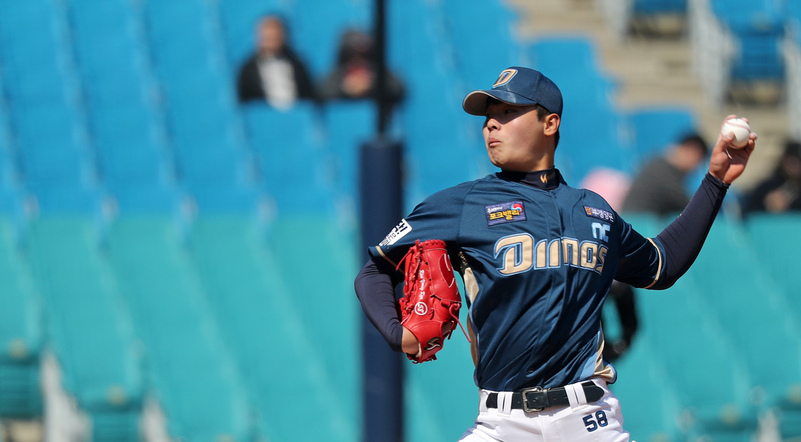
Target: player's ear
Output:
[(551, 126)]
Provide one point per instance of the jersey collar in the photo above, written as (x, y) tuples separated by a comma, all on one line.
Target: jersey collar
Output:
[(547, 179)]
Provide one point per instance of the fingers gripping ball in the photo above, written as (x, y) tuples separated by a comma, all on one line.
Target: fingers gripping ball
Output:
[(430, 304), (741, 130)]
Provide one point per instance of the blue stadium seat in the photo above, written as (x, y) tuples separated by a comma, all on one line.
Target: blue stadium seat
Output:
[(348, 125), (117, 425), (316, 28), (184, 39), (647, 392), (134, 165), (440, 153), (716, 400), (710, 403), (44, 84), (148, 198), (232, 198), (42, 126), (655, 7), (213, 166), (759, 57), (69, 199), (768, 236), (22, 330), (409, 38), (578, 153), (56, 166), (199, 389), (768, 337), (749, 14), (192, 127), (107, 88), (566, 57), (486, 57), (111, 59), (228, 248), (758, 28), (219, 177), (294, 172), (9, 168), (21, 396), (89, 329), (653, 128), (793, 20), (768, 233), (181, 34), (32, 48), (13, 205)]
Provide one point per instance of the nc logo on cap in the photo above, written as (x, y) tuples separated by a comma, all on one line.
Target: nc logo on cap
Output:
[(505, 77)]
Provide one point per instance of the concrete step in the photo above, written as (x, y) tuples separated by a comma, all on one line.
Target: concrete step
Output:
[(549, 16)]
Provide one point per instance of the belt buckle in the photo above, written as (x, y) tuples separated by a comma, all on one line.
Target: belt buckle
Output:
[(526, 408)]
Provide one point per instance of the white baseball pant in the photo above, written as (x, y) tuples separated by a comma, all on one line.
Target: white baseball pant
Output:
[(599, 421)]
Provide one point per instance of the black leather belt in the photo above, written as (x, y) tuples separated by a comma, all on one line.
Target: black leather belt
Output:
[(538, 398)]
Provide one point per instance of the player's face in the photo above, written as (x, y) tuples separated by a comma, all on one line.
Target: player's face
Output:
[(516, 139)]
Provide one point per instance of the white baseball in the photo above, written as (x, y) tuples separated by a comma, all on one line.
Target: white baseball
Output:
[(741, 131)]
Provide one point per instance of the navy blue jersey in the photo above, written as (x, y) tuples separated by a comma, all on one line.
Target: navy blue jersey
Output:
[(537, 264)]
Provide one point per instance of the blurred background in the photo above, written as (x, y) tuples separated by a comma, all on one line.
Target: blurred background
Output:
[(177, 260)]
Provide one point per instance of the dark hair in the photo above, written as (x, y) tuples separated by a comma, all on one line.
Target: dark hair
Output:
[(694, 139), (542, 113), (353, 43), (275, 16), (792, 149)]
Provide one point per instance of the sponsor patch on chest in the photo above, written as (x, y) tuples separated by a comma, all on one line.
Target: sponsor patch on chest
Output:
[(601, 214), (505, 212)]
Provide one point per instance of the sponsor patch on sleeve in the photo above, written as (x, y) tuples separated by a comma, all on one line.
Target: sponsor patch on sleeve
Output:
[(599, 213), (398, 232), (505, 212)]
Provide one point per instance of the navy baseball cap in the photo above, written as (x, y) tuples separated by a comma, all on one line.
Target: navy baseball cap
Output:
[(517, 86)]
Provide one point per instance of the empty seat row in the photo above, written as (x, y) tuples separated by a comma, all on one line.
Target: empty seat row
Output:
[(747, 318)]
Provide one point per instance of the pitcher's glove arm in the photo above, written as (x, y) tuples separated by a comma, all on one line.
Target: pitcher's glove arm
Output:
[(376, 291)]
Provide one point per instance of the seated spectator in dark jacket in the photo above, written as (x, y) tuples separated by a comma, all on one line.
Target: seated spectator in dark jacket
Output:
[(274, 72), (781, 190), (355, 74), (660, 187)]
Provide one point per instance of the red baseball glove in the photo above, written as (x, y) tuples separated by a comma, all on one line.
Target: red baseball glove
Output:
[(431, 302)]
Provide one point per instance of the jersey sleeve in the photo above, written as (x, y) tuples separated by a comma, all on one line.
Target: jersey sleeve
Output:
[(675, 249), (642, 261), (437, 217)]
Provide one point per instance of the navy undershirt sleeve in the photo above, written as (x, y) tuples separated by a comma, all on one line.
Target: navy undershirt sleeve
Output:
[(683, 238), (376, 291)]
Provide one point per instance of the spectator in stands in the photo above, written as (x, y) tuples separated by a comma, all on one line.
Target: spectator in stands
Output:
[(274, 72), (781, 190), (355, 74), (660, 187)]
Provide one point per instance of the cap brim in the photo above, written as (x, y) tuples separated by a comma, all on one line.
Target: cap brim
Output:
[(475, 103)]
